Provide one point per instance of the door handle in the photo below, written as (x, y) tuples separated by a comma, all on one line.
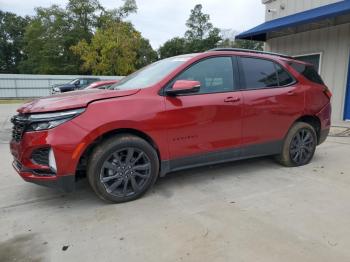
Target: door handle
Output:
[(290, 93), (232, 99)]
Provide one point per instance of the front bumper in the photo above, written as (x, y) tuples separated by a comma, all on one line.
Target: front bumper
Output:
[(65, 141), (55, 92), (64, 183)]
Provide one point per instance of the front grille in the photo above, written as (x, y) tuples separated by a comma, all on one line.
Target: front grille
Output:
[(40, 172), (41, 156), (19, 125), (18, 165)]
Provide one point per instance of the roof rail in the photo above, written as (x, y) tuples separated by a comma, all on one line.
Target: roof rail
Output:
[(251, 51)]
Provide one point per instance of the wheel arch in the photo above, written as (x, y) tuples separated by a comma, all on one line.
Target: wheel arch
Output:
[(81, 165), (314, 121)]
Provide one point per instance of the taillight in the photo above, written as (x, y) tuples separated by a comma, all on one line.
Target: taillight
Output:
[(327, 92)]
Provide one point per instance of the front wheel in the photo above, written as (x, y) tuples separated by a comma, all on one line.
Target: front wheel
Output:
[(299, 145), (122, 168)]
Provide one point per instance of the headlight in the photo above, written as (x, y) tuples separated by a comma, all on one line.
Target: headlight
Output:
[(50, 120), (56, 90)]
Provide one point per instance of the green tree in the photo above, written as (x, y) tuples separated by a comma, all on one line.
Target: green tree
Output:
[(200, 36), (46, 50), (243, 44), (84, 37), (173, 47), (228, 36), (51, 33), (145, 54), (249, 44), (198, 24), (117, 14), (116, 48), (83, 17), (113, 50), (11, 41)]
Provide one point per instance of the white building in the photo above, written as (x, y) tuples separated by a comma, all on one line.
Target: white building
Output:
[(316, 31)]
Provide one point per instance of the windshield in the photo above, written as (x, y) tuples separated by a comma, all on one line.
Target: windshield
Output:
[(152, 73), (73, 81)]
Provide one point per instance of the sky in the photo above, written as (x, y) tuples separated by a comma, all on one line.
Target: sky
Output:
[(160, 20)]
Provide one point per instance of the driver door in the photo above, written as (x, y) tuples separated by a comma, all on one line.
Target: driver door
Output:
[(207, 122)]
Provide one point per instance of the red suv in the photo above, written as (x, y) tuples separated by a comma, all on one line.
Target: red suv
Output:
[(180, 112)]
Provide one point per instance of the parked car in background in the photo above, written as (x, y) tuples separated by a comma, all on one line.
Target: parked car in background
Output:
[(177, 113), (75, 84), (101, 84)]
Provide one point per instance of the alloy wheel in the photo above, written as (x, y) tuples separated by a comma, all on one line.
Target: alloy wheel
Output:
[(125, 172), (302, 146)]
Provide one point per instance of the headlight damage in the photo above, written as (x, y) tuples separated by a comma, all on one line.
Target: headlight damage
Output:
[(45, 121)]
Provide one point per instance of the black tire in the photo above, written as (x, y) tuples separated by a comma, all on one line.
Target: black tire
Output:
[(299, 145), (108, 170)]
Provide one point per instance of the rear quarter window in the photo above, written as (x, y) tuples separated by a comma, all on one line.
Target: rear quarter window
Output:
[(258, 73), (308, 71), (261, 73)]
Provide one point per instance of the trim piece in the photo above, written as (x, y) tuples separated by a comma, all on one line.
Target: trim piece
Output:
[(217, 157), (251, 51), (64, 183), (323, 136)]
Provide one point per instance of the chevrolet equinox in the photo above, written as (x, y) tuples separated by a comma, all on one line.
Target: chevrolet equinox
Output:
[(181, 112)]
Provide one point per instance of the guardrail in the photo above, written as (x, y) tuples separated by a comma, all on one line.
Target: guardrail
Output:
[(27, 86)]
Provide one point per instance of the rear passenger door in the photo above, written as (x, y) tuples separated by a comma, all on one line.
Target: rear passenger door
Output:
[(271, 103)]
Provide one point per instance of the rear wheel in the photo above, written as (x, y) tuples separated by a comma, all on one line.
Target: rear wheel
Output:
[(122, 168), (299, 146)]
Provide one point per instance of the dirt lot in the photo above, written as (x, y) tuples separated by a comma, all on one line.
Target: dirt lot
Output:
[(251, 210)]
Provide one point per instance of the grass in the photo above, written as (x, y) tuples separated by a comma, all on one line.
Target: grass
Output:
[(12, 101)]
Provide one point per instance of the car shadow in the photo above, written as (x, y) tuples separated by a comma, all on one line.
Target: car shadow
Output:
[(164, 187)]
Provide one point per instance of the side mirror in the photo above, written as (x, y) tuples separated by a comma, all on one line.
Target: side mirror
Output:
[(184, 87)]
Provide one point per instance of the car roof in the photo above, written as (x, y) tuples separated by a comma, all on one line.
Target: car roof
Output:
[(252, 53)]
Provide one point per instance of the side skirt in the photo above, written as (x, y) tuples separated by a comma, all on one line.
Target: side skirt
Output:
[(217, 157)]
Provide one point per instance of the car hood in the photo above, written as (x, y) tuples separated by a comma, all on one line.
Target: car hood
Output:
[(71, 100)]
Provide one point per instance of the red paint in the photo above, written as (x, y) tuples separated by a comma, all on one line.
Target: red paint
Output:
[(185, 84), (179, 126)]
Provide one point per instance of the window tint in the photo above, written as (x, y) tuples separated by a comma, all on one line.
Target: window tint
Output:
[(284, 78), (215, 75), (308, 71), (258, 73)]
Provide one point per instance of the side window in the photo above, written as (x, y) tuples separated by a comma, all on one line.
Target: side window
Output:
[(258, 73), (215, 75), (284, 78), (308, 71)]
